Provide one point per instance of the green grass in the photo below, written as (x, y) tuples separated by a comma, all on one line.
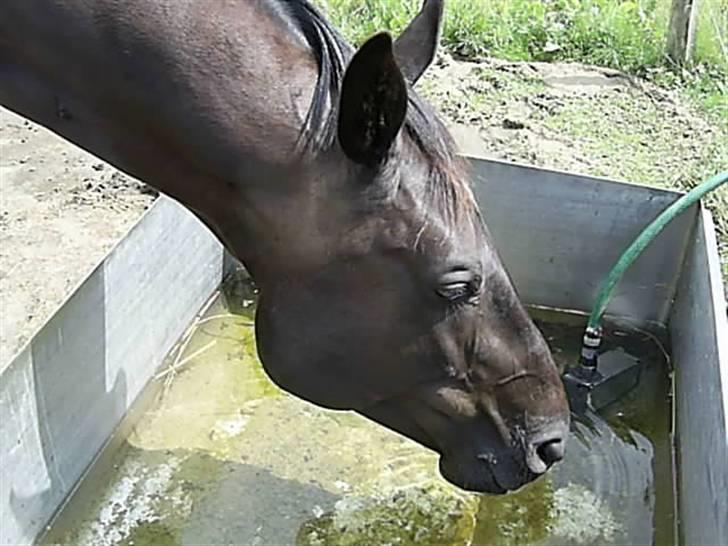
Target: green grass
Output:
[(621, 34), (604, 32), (711, 45), (705, 85)]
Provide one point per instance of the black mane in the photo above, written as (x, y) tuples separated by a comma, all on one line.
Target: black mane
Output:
[(446, 181)]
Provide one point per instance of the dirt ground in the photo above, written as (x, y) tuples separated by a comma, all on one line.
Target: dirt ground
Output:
[(62, 209), (574, 117)]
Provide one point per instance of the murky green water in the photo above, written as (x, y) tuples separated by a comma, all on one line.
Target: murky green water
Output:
[(216, 454)]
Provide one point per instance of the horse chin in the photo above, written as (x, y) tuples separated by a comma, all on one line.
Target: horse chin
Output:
[(479, 476)]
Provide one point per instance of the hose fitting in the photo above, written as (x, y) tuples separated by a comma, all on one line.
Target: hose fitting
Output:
[(590, 347)]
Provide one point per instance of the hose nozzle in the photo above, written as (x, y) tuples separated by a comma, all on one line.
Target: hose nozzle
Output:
[(590, 347)]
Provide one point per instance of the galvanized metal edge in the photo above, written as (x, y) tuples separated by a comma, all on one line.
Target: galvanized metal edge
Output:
[(699, 332), (717, 290), (575, 173)]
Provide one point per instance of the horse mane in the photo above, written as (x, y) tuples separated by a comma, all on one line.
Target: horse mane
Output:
[(447, 185)]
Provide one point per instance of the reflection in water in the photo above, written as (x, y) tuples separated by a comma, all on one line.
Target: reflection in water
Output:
[(222, 456)]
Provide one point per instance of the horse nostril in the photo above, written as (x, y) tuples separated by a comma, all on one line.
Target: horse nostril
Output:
[(551, 451), (546, 447)]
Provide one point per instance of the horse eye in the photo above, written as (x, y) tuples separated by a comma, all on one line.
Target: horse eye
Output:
[(459, 285), (455, 291)]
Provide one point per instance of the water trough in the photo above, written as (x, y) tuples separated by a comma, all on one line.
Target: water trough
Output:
[(64, 394)]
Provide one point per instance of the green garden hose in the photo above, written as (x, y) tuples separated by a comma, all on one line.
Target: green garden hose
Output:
[(645, 238), (592, 337)]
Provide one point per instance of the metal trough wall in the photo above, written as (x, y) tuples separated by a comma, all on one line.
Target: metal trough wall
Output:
[(64, 394), (558, 234), (699, 331)]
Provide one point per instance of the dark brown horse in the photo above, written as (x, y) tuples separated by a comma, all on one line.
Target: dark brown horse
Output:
[(336, 186)]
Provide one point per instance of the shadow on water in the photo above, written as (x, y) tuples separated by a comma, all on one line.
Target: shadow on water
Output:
[(180, 497), (49, 419)]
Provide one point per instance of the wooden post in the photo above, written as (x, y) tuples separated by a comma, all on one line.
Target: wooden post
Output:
[(681, 33)]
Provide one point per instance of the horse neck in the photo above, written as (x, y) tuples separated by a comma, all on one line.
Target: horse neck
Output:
[(202, 100)]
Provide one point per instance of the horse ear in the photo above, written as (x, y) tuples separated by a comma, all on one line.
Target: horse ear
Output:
[(416, 46), (373, 102)]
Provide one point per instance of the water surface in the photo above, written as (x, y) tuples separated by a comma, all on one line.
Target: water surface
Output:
[(214, 453)]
